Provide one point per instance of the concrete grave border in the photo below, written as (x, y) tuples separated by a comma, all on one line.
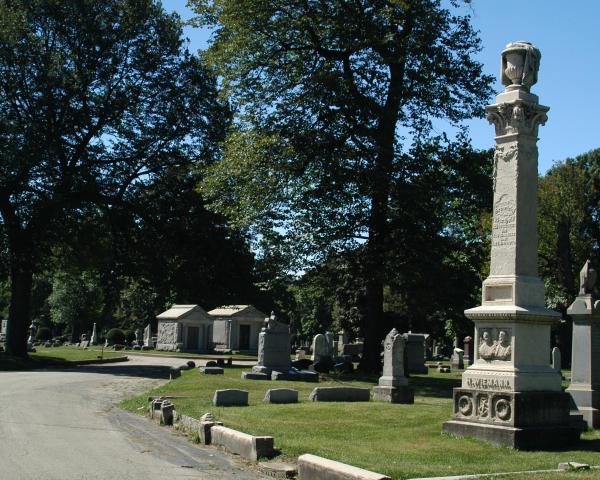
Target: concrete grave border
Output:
[(312, 467)]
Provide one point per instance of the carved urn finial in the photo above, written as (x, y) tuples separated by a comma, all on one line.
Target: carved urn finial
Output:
[(520, 65)]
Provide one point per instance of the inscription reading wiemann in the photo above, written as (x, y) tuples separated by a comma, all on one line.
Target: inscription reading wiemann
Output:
[(488, 383), (503, 230)]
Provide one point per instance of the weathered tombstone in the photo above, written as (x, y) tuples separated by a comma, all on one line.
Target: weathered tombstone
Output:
[(340, 394), (138, 337), (300, 354), (457, 358), (436, 351), (511, 395), (342, 340), (274, 351), (3, 326), (230, 398), (281, 395), (415, 353), (468, 348), (393, 385), (322, 354), (429, 341), (330, 344), (319, 347), (212, 370), (94, 339), (274, 355), (556, 359), (585, 360), (148, 336)]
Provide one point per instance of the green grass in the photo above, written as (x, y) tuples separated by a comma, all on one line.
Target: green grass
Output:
[(584, 475), (402, 441), (54, 356), (205, 356)]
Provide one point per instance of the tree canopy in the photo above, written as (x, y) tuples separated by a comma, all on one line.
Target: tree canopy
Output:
[(96, 98), (335, 102)]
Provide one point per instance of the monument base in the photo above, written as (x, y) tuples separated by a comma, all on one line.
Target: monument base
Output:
[(531, 438), (295, 376), (521, 420), (403, 394), (587, 401), (255, 376)]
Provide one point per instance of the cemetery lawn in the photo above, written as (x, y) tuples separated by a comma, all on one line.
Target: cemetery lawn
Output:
[(53, 356), (402, 441), (204, 356)]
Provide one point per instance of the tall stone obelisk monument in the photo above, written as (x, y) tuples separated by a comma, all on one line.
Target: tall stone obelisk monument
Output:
[(511, 395)]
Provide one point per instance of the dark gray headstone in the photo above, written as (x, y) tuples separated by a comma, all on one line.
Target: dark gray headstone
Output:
[(340, 394), (230, 398), (281, 395)]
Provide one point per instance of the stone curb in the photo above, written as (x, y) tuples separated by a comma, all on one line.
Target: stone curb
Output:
[(278, 469), (311, 467), (100, 361), (494, 475), (246, 446)]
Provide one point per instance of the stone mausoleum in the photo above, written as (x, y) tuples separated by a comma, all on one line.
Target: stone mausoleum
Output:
[(236, 327), (184, 327)]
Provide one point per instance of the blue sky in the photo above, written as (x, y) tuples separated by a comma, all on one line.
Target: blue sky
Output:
[(568, 35)]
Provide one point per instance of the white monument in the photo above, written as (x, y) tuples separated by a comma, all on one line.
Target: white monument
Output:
[(94, 339), (511, 395), (148, 336)]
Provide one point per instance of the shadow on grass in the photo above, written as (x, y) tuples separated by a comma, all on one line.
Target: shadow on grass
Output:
[(11, 364), (8, 363), (434, 387), (423, 385)]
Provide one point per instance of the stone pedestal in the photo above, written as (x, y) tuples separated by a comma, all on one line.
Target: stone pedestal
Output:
[(585, 362), (511, 395)]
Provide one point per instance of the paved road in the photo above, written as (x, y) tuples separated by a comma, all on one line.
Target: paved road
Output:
[(61, 425)]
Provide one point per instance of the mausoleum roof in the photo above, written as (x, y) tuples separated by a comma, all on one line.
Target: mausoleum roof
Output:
[(231, 310), (180, 311)]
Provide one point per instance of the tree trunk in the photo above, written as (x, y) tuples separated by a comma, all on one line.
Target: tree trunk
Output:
[(21, 277), (374, 329)]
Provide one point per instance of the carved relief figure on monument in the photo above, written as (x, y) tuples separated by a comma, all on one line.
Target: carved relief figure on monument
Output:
[(487, 347), (502, 350), (483, 406)]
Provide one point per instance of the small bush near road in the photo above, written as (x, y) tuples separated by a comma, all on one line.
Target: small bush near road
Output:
[(43, 334), (115, 336)]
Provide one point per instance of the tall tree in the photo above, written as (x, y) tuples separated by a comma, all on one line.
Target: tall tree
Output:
[(327, 93), (95, 98)]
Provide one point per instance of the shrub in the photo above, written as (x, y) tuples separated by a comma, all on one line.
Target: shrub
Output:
[(115, 336), (130, 335), (43, 334)]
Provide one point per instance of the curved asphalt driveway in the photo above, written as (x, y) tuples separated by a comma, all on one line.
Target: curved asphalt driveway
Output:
[(60, 425)]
